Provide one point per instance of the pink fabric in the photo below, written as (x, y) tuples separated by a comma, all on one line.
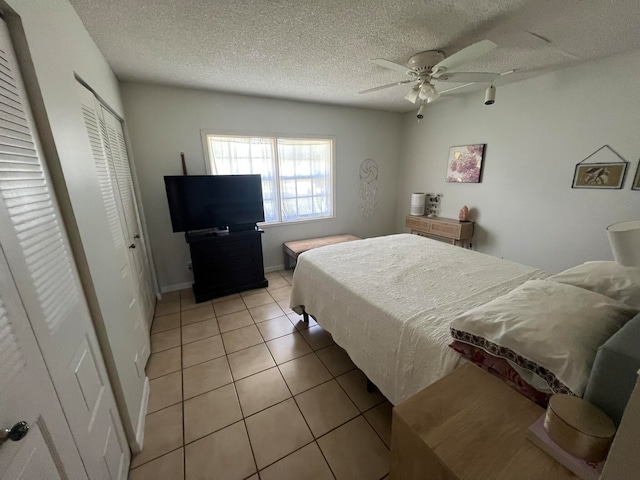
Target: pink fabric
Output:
[(500, 368)]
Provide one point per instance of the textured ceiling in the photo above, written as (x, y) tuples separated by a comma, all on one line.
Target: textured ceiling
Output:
[(318, 50)]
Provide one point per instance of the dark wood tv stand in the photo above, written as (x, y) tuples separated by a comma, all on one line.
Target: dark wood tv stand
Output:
[(225, 262)]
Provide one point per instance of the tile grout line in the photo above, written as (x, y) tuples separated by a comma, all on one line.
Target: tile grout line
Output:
[(255, 462), (264, 341), (184, 448), (183, 367), (262, 371), (156, 458), (246, 429), (181, 346), (374, 428), (314, 440), (362, 413)]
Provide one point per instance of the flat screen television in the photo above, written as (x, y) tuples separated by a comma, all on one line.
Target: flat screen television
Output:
[(200, 202)]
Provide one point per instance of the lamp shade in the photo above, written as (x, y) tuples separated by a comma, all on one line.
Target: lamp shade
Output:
[(426, 91), (412, 96), (624, 238)]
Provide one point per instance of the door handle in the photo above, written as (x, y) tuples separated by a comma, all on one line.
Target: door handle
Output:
[(133, 245), (15, 433), (137, 236)]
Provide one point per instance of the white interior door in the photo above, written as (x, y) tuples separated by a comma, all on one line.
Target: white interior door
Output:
[(27, 394), (38, 255)]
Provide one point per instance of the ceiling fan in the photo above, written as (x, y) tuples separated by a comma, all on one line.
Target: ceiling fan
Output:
[(425, 68)]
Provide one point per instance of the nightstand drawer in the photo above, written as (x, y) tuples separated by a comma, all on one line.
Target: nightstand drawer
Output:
[(445, 229), (417, 223), (440, 228)]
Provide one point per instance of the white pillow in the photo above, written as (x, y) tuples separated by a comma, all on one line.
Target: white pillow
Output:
[(550, 329), (607, 278)]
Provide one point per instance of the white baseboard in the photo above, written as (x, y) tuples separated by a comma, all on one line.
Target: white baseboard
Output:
[(182, 286), (176, 286), (149, 319), (141, 420)]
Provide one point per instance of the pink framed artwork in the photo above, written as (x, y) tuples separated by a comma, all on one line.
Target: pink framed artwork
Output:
[(465, 163)]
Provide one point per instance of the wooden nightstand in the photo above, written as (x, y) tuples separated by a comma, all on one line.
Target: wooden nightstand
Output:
[(468, 426), (443, 229)]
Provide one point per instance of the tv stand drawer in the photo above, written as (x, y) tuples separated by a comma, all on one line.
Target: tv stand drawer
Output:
[(226, 264)]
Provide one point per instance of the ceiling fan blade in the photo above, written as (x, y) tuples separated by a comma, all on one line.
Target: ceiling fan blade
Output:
[(466, 55), (374, 89), (457, 87), (466, 77), (391, 65)]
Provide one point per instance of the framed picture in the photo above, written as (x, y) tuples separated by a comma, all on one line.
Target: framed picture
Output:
[(636, 179), (465, 163), (599, 175)]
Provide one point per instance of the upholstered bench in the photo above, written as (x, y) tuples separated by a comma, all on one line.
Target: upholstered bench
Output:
[(296, 247)]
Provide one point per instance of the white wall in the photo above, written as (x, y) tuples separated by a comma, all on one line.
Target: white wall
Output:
[(60, 47), (165, 121), (535, 133)]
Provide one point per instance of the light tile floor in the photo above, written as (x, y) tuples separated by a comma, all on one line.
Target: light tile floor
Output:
[(242, 388)]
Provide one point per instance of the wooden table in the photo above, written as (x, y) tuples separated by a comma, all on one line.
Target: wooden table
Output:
[(468, 426)]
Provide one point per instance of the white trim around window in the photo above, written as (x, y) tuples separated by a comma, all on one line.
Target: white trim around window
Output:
[(298, 171)]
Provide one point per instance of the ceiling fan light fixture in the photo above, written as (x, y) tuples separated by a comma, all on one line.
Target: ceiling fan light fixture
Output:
[(426, 91), (433, 66), (433, 96), (420, 114), (412, 96)]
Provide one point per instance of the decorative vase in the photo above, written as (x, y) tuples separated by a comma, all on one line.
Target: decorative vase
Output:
[(463, 216)]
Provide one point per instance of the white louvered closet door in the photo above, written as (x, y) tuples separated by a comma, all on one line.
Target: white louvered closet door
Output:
[(139, 349), (132, 226), (39, 258), (102, 157), (96, 130)]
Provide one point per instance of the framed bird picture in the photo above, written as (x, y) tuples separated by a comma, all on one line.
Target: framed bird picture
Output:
[(608, 173), (599, 175)]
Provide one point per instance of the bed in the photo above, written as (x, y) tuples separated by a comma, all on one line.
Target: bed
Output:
[(397, 303), (389, 301)]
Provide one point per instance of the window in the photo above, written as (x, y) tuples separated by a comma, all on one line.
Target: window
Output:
[(297, 180)]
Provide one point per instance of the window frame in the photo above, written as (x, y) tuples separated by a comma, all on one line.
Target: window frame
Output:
[(275, 136)]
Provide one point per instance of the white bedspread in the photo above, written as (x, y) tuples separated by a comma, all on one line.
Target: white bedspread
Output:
[(388, 302)]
